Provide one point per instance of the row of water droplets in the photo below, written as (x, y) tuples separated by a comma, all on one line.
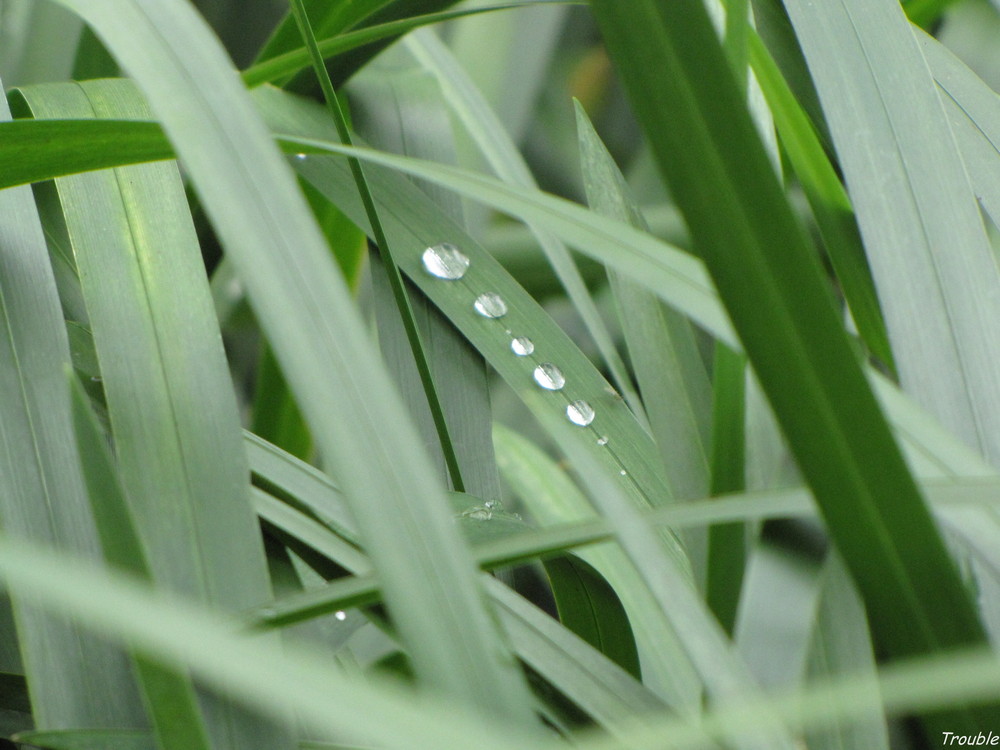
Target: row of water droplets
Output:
[(446, 262)]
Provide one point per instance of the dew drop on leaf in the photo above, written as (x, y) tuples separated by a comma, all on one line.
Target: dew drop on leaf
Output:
[(580, 413), (522, 346), (490, 305), (549, 377), (445, 261)]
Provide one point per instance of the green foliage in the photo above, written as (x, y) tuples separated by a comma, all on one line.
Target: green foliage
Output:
[(659, 288)]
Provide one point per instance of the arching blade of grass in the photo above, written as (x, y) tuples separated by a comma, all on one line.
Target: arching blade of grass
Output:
[(552, 499), (308, 315), (771, 282), (924, 685), (500, 151), (598, 686), (588, 606), (340, 17), (274, 69), (912, 198), (43, 495), (170, 400), (276, 681)]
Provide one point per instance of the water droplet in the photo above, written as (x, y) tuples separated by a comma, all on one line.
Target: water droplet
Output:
[(96, 379), (522, 346), (300, 157), (602, 440), (482, 513), (490, 305), (580, 413), (445, 261), (622, 472), (491, 505), (340, 615), (549, 377)]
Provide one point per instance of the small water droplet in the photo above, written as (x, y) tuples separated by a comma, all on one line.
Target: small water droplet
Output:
[(340, 615), (490, 305), (522, 346), (491, 505), (482, 513), (549, 377), (580, 413), (300, 157), (602, 440), (445, 261), (622, 472), (96, 379)]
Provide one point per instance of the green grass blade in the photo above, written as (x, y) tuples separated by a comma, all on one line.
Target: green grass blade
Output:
[(600, 687), (661, 343), (395, 278), (727, 544), (307, 313), (170, 697), (346, 65), (275, 68), (589, 607), (939, 310), (173, 413), (723, 673), (841, 646), (44, 497), (274, 680), (972, 107), (500, 151), (401, 109), (828, 200), (771, 282), (553, 499)]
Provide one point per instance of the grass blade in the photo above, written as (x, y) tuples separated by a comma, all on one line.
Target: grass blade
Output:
[(169, 395), (771, 282), (44, 497), (170, 697), (502, 154), (939, 310)]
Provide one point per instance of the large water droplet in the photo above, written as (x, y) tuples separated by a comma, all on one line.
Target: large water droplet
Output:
[(445, 261), (490, 305), (479, 513), (549, 377), (580, 413), (522, 346)]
